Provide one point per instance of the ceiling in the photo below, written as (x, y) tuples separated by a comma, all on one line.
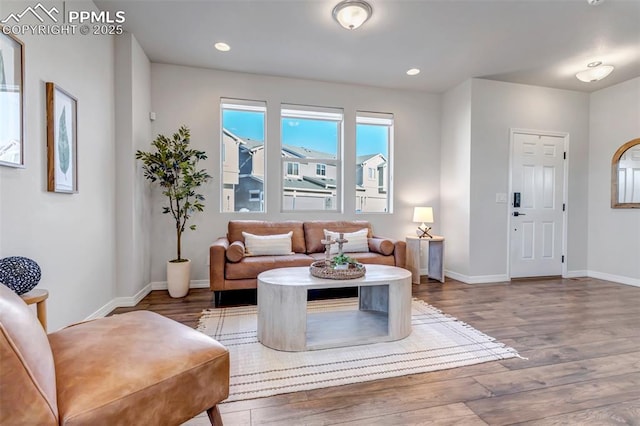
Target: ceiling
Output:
[(538, 42)]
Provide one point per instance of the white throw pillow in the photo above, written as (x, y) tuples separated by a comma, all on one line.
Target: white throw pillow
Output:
[(273, 245), (357, 241)]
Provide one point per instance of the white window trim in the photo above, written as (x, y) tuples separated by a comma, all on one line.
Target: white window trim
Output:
[(323, 168)]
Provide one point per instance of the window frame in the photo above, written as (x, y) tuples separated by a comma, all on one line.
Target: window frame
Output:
[(234, 104), (384, 120), (306, 112)]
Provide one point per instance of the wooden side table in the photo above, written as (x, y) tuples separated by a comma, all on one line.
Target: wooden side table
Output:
[(436, 257), (39, 297)]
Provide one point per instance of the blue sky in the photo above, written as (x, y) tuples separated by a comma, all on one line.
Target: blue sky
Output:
[(312, 134)]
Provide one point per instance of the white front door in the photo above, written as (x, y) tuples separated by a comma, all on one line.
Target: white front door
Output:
[(537, 191)]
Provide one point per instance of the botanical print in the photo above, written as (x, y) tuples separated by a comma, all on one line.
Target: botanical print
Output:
[(64, 137)]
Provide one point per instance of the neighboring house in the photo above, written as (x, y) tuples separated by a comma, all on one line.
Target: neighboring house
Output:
[(372, 178), (308, 182)]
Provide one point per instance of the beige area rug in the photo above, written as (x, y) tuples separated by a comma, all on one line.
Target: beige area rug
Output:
[(437, 342)]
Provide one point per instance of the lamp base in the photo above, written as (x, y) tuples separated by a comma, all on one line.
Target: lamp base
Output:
[(423, 232)]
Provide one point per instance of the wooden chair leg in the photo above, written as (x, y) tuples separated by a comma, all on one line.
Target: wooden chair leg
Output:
[(214, 416)]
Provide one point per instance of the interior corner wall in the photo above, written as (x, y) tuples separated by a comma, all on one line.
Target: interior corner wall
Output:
[(455, 179), (496, 108), (614, 234), (71, 236), (133, 132), (191, 96)]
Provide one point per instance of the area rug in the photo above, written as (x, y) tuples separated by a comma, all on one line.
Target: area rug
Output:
[(438, 341)]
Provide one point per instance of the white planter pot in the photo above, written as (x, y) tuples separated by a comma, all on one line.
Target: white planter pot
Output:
[(178, 278)]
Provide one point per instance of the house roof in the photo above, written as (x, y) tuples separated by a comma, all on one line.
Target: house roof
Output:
[(303, 152), (362, 158), (307, 184)]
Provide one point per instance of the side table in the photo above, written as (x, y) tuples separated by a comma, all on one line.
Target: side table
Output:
[(436, 257), (39, 297)]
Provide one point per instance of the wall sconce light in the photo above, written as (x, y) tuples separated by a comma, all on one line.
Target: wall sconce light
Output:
[(595, 72), (424, 215), (351, 14)]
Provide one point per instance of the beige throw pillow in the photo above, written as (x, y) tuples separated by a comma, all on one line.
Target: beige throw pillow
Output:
[(267, 245), (357, 241)]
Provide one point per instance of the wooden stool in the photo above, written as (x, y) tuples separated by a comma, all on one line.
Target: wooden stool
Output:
[(39, 297)]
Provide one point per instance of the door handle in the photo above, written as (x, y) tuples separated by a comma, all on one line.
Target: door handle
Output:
[(519, 214)]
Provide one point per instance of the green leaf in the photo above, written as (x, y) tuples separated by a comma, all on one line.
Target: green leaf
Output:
[(64, 150)]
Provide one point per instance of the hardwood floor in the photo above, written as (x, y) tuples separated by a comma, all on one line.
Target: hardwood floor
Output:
[(581, 337)]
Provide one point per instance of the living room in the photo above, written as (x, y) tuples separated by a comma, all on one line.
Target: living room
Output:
[(106, 245)]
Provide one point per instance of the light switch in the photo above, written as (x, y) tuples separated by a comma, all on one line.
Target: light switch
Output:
[(501, 197)]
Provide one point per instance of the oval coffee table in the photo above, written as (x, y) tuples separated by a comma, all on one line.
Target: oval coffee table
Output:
[(384, 313)]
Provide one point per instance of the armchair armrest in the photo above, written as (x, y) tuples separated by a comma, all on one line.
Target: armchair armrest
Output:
[(217, 260)]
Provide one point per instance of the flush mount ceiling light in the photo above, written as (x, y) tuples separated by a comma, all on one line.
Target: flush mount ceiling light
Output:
[(223, 47), (595, 72), (413, 71), (351, 14)]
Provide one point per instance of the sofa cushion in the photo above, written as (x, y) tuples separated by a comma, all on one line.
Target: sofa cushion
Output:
[(314, 231), (261, 245), (260, 227), (235, 252), (250, 267), (381, 245), (356, 241)]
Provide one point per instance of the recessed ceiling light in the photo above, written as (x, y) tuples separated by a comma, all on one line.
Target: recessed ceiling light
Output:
[(223, 47), (413, 71)]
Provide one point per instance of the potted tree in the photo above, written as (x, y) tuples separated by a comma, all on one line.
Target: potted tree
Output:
[(173, 165)]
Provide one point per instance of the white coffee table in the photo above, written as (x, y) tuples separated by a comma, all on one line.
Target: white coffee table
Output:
[(384, 312)]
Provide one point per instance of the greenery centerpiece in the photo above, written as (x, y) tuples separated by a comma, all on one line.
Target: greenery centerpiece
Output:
[(173, 165)]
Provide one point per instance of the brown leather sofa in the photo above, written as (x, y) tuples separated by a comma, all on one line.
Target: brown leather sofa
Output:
[(229, 270), (138, 368)]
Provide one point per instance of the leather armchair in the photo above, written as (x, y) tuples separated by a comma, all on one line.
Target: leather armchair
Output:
[(129, 369)]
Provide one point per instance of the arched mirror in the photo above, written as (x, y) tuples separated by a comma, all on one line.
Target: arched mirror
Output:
[(625, 176)]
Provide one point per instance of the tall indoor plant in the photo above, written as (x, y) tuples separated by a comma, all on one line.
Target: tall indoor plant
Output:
[(173, 165)]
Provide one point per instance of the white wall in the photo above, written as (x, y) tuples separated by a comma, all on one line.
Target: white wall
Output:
[(455, 177), (191, 96), (133, 132), (496, 107), (71, 236), (614, 234)]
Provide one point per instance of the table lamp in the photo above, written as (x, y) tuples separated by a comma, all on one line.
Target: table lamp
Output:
[(423, 215)]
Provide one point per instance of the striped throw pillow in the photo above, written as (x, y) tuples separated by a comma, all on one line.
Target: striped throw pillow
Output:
[(357, 241), (272, 245)]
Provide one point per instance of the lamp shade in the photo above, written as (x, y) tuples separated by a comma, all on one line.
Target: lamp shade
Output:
[(423, 214), (351, 14), (594, 73)]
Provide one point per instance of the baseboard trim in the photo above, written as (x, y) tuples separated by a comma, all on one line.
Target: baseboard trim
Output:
[(576, 274), (615, 278), (477, 279), (162, 285), (127, 302)]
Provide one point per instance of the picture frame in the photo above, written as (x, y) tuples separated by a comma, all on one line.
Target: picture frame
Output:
[(62, 140), (11, 100)]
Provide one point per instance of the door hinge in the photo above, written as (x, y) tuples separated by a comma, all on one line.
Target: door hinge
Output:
[(565, 155), (564, 206), (563, 258)]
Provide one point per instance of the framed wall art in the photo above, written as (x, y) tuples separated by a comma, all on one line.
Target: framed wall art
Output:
[(11, 101), (62, 140)]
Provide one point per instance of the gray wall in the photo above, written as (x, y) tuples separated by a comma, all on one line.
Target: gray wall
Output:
[(71, 236), (191, 96), (614, 234)]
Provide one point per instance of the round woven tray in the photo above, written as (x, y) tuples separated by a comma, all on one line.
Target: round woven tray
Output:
[(321, 270)]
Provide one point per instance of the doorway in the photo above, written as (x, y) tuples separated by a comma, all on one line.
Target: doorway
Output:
[(537, 221)]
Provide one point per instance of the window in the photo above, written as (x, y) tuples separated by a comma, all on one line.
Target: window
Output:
[(312, 140), (374, 147), (293, 169), (242, 144)]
